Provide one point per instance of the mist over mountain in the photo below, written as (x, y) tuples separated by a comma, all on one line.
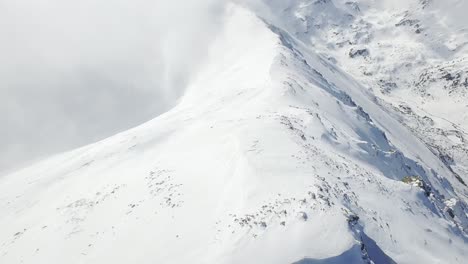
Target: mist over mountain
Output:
[(75, 72)]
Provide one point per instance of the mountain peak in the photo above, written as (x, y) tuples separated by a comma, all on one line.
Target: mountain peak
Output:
[(276, 153)]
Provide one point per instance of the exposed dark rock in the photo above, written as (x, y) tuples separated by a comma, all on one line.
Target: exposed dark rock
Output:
[(408, 22), (418, 182), (353, 219), (358, 52)]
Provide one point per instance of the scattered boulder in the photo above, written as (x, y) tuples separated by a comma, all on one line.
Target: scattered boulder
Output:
[(417, 182), (358, 52), (303, 216), (456, 209), (352, 219), (353, 5), (408, 22)]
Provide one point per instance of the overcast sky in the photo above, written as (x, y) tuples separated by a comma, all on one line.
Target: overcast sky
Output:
[(73, 72)]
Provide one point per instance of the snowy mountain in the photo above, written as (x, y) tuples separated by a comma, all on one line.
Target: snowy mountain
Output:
[(316, 131)]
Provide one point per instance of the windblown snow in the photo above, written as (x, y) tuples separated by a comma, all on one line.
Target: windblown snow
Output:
[(316, 131)]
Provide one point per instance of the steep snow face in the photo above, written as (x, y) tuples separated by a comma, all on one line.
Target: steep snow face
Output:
[(273, 155), (410, 54)]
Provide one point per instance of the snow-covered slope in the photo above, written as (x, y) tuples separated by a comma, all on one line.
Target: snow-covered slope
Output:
[(277, 153), (411, 54)]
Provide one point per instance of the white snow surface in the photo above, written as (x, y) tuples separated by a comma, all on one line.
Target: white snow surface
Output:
[(283, 149)]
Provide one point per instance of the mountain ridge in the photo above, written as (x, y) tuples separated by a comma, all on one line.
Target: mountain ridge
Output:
[(273, 155)]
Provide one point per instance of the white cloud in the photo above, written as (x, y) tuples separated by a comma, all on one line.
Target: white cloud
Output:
[(73, 72)]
